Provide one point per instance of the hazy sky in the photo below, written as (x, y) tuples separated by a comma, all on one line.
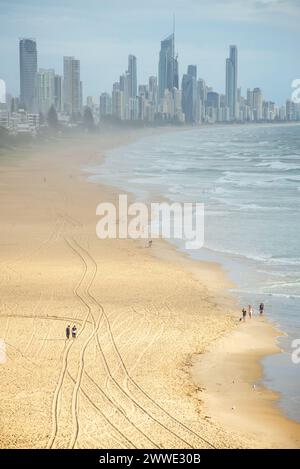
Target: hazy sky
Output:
[(101, 33)]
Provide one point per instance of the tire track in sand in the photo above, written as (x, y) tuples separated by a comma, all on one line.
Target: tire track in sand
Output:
[(58, 388), (79, 376), (85, 254)]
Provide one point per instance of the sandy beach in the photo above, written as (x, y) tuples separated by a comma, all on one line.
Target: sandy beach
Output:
[(160, 360)]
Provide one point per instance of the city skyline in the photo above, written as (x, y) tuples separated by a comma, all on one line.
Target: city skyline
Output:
[(163, 99), (267, 57), (168, 75)]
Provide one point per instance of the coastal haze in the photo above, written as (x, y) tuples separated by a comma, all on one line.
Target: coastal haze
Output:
[(202, 108)]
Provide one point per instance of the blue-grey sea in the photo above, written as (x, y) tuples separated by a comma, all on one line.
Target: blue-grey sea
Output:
[(249, 180)]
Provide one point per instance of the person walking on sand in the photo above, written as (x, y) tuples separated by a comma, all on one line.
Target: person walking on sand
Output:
[(68, 331), (244, 312), (250, 311), (74, 331), (261, 309)]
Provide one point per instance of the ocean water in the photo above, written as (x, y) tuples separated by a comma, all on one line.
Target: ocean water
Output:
[(248, 177)]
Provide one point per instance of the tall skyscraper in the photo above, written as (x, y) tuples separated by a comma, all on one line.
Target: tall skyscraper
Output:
[(192, 70), (231, 82), (202, 92), (45, 90), (132, 76), (58, 93), (105, 105), (125, 87), (168, 66), (122, 82), (189, 96), (257, 104), (118, 104), (72, 86), (153, 90), (249, 98), (28, 70)]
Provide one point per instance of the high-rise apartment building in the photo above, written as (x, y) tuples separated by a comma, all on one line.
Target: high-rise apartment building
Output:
[(28, 70), (44, 90), (192, 70), (189, 96), (58, 93), (153, 90), (231, 82), (118, 104), (257, 104), (132, 76), (72, 86), (105, 105), (168, 66)]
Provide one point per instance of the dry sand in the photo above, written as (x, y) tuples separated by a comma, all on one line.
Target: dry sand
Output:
[(133, 377)]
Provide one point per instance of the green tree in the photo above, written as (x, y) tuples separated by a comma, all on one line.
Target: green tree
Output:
[(52, 118), (88, 119)]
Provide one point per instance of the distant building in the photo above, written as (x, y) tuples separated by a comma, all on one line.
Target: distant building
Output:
[(135, 108), (2, 92), (270, 111), (249, 98), (4, 119), (28, 70), (153, 90), (168, 66), (105, 105), (192, 70), (58, 93), (213, 99), (144, 91), (22, 122), (178, 114), (282, 113), (257, 104), (212, 107), (132, 76), (80, 95), (45, 90), (72, 95), (189, 97), (4, 106), (93, 104), (231, 82), (202, 89), (14, 104), (292, 111), (201, 99), (118, 104)]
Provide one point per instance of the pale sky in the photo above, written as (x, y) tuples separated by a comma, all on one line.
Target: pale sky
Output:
[(101, 33)]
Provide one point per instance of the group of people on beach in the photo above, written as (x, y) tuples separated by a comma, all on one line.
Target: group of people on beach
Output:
[(70, 331), (73, 331), (250, 312)]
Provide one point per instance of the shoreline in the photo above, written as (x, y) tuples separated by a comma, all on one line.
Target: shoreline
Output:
[(228, 374), (173, 304), (254, 381)]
